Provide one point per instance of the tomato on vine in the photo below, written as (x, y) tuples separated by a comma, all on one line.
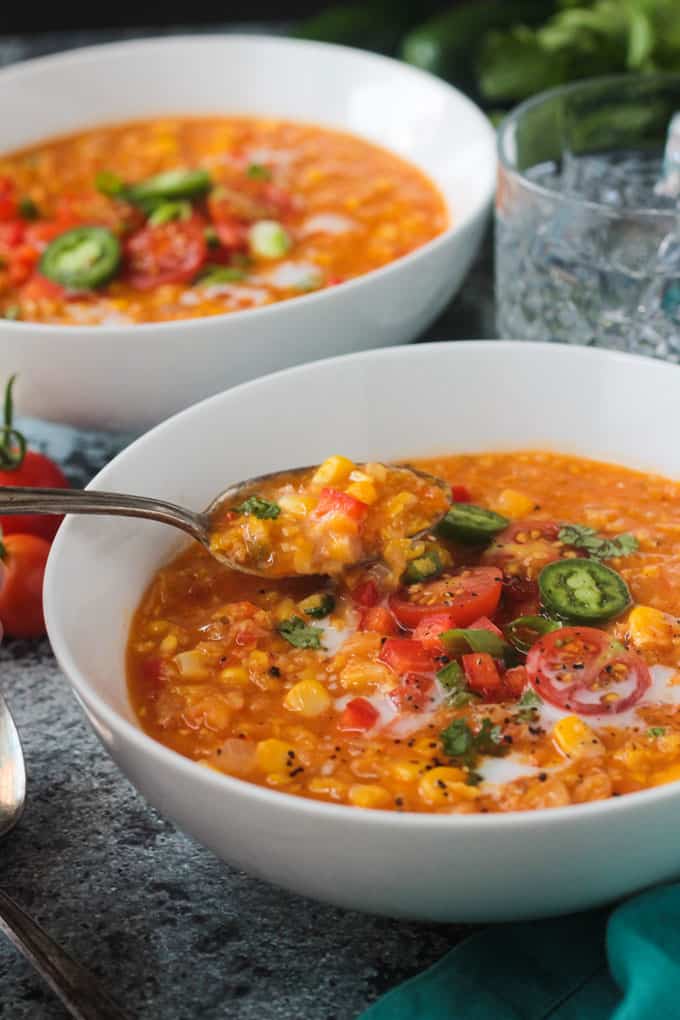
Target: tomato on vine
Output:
[(23, 566), (28, 468)]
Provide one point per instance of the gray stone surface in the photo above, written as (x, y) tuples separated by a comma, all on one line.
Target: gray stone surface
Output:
[(173, 933)]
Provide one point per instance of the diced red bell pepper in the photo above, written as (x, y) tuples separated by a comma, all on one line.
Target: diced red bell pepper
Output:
[(481, 673), (379, 619), (12, 233), (484, 623), (404, 655), (430, 629), (412, 693), (460, 494), (39, 287), (232, 234), (366, 594), (515, 681), (358, 716), (335, 501)]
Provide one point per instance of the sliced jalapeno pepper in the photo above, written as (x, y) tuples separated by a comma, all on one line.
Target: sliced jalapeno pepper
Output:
[(424, 568), (525, 631), (583, 590), (318, 606), (172, 184), (82, 258), (471, 524)]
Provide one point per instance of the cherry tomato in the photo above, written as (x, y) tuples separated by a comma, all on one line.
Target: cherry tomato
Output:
[(26, 468), (21, 609), (413, 692), (39, 288), (12, 233), (358, 716), (465, 596), (585, 670), (378, 619), (524, 548), (404, 655), (169, 253), (335, 501), (481, 673)]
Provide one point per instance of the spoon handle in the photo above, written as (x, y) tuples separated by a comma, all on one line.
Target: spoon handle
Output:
[(77, 988), (16, 500)]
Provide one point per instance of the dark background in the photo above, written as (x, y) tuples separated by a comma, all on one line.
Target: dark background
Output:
[(76, 14)]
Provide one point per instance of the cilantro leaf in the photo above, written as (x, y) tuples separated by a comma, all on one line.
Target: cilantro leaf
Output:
[(656, 731), (300, 634), (595, 545), (464, 746), (258, 506)]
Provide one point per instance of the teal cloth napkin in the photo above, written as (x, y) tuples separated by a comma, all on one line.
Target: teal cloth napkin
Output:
[(623, 965)]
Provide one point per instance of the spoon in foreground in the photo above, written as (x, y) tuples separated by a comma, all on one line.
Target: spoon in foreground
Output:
[(76, 987), (310, 520)]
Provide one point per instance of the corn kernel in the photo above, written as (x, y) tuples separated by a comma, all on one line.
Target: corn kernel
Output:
[(168, 645), (333, 471), (158, 627), (235, 676), (364, 491), (293, 504), (365, 675), (402, 501), (327, 786), (575, 739), (258, 660), (445, 785), (285, 609), (308, 697), (365, 796), (405, 771), (650, 628), (273, 755), (514, 504)]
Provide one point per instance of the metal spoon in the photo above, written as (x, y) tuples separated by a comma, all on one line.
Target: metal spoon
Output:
[(15, 500), (77, 988)]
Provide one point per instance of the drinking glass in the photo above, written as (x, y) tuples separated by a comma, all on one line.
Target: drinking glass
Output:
[(588, 216)]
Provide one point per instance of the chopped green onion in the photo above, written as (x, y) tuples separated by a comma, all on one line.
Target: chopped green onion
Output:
[(166, 212), (258, 172), (268, 239)]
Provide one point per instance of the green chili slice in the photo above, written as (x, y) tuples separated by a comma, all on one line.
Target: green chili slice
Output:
[(525, 631), (82, 259), (170, 185), (583, 590), (470, 524), (424, 568)]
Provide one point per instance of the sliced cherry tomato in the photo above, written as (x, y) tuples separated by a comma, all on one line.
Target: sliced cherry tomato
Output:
[(12, 233), (358, 716), (379, 619), (169, 253), (413, 693), (26, 468), (465, 596), (429, 630), (366, 593), (585, 670), (460, 494), (335, 501), (481, 673), (404, 655), (21, 609), (524, 548)]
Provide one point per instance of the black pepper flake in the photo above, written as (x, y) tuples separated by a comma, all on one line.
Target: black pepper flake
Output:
[(297, 771), (274, 671), (399, 801), (542, 776), (507, 739)]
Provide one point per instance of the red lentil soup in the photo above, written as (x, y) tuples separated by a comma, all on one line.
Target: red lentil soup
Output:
[(530, 658), (183, 217)]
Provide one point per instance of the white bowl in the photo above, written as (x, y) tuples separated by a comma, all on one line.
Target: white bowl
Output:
[(133, 376), (400, 402)]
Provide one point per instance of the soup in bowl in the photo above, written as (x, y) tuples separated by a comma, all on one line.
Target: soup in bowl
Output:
[(477, 740), (276, 202)]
